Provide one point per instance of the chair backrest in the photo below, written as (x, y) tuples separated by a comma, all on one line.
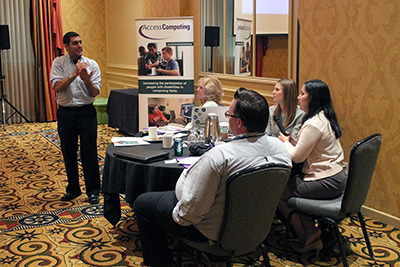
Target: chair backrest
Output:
[(252, 197), (363, 157), (173, 116), (180, 64)]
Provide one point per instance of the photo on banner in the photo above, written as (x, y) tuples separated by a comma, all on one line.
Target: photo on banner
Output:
[(174, 108), (165, 67), (243, 47)]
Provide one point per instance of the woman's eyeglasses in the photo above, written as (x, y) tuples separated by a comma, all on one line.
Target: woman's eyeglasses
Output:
[(227, 115)]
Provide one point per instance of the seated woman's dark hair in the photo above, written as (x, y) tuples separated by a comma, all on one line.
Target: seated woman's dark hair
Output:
[(252, 108), (151, 109), (320, 99)]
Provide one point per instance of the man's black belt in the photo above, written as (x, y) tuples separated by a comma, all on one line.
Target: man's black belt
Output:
[(77, 107)]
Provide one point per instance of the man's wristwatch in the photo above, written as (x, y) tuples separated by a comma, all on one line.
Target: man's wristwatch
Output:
[(71, 78)]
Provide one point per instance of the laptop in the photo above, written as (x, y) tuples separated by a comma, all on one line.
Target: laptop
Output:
[(141, 154), (160, 123)]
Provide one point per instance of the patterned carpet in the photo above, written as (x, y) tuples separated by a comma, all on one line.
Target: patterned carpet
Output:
[(37, 229)]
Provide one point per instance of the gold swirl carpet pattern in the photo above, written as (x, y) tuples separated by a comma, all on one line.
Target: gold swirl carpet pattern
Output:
[(37, 229)]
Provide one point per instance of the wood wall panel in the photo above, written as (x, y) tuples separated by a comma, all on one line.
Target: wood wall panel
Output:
[(275, 62), (161, 8), (122, 76), (354, 46), (88, 19)]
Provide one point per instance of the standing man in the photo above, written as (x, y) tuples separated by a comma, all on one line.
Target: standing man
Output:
[(195, 210), (76, 81), (172, 67)]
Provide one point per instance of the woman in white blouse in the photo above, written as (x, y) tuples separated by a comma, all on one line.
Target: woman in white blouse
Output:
[(285, 95), (318, 146)]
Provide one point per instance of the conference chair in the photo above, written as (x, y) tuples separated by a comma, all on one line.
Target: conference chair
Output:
[(363, 157), (173, 116), (252, 196)]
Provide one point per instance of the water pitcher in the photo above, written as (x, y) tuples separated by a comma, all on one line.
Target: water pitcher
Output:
[(212, 132)]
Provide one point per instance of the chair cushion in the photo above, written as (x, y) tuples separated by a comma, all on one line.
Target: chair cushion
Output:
[(317, 207)]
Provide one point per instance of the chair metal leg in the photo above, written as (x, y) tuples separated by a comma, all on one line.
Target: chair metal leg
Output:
[(338, 236), (366, 237), (265, 255), (179, 254), (196, 258), (229, 261)]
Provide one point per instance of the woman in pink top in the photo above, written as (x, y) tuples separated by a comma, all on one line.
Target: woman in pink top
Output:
[(318, 146)]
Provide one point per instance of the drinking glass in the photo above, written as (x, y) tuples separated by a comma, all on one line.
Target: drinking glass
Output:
[(201, 138), (192, 138)]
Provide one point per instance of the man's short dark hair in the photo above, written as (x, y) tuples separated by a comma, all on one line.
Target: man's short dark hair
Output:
[(67, 37), (252, 108), (149, 45)]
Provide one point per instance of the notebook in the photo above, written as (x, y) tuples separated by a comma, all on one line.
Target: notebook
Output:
[(142, 154)]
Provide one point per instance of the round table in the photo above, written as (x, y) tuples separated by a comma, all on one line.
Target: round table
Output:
[(132, 178)]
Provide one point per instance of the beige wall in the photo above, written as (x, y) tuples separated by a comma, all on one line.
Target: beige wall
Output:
[(353, 46), (121, 33), (88, 18)]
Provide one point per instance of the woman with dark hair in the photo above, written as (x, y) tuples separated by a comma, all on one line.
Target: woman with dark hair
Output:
[(285, 95), (318, 146)]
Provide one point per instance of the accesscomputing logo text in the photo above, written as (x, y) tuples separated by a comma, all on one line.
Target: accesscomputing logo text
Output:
[(161, 27), (165, 27)]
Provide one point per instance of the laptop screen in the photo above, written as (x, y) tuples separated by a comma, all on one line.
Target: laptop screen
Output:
[(186, 110)]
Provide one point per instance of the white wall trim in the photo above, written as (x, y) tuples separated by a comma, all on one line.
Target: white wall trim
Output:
[(381, 216)]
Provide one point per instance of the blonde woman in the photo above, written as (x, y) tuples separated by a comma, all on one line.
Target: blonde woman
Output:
[(210, 91)]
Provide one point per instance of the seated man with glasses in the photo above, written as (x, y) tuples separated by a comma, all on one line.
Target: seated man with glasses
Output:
[(227, 115), (195, 209)]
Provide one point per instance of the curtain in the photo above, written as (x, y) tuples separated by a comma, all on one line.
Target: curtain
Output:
[(213, 18), (18, 62), (47, 44), (261, 50)]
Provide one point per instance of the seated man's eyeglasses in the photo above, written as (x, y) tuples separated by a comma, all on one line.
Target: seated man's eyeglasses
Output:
[(227, 115)]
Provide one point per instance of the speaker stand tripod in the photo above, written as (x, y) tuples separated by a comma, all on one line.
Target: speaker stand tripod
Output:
[(4, 101), (210, 69)]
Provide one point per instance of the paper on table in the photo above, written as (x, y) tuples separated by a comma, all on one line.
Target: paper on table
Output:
[(172, 127), (128, 141), (187, 161), (180, 135)]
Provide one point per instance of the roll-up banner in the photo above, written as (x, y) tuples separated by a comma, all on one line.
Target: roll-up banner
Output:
[(165, 66), (243, 47)]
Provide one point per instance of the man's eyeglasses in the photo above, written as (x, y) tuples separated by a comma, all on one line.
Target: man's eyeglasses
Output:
[(227, 115)]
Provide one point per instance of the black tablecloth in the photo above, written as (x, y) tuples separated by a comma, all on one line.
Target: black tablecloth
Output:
[(122, 110), (134, 178)]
